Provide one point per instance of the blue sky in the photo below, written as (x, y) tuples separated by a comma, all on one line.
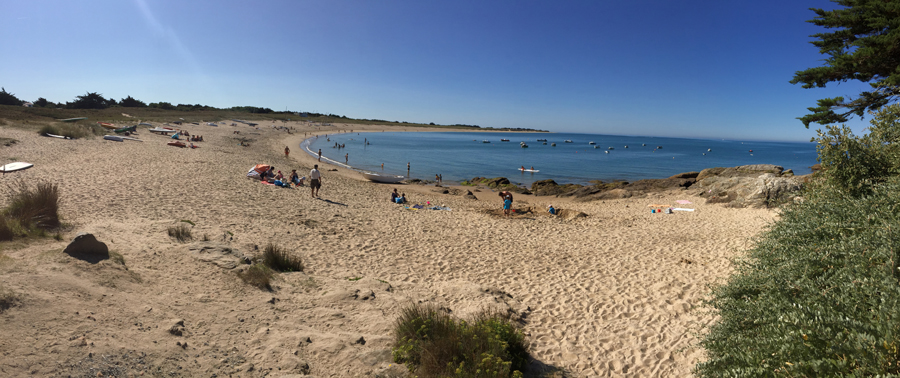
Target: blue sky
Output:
[(705, 69)]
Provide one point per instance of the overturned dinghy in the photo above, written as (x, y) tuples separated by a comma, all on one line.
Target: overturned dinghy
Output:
[(113, 138), (385, 179)]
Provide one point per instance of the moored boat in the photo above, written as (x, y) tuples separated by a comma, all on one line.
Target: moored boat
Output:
[(568, 141)]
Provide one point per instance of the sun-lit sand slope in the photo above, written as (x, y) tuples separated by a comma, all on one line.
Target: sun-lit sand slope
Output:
[(610, 294)]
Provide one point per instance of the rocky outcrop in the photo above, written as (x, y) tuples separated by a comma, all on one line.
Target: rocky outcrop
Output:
[(764, 190), (759, 185), (499, 183)]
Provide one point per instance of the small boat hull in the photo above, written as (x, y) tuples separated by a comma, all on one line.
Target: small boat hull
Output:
[(385, 179)]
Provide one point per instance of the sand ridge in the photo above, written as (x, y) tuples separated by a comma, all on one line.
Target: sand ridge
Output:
[(610, 294)]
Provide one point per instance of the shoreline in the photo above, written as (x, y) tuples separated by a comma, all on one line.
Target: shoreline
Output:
[(613, 303), (513, 177)]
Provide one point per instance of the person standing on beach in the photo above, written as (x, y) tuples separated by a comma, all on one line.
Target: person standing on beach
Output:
[(320, 154), (346, 158), (315, 181), (507, 201), (287, 151)]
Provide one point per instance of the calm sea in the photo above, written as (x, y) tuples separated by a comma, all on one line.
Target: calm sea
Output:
[(461, 156)]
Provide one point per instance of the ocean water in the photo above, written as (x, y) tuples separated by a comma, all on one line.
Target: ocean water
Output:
[(459, 156)]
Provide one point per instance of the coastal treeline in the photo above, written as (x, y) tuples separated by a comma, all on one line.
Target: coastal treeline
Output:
[(819, 293), (96, 101)]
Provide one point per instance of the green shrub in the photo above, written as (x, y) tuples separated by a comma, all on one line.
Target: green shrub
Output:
[(280, 260), (180, 232), (818, 295), (433, 344), (33, 206), (258, 275)]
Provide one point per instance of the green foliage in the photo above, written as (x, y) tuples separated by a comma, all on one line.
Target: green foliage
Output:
[(280, 260), (856, 163), (818, 295), (162, 105), (7, 98), (129, 102), (258, 275), (863, 47), (42, 102), (90, 100), (433, 344), (180, 232)]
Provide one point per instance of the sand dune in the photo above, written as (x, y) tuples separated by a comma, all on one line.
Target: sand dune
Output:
[(610, 294)]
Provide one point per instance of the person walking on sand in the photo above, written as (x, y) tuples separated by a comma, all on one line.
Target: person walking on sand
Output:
[(315, 181), (320, 154), (287, 151)]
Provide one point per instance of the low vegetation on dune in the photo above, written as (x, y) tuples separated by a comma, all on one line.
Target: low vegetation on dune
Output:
[(818, 295), (180, 232), (72, 130), (33, 209), (434, 344), (280, 260), (258, 275)]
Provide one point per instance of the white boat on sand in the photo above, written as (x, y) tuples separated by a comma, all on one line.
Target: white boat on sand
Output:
[(386, 179)]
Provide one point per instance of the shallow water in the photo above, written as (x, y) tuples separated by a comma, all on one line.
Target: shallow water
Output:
[(459, 156)]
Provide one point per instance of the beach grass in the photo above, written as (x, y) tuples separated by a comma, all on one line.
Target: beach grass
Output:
[(33, 209), (434, 344), (279, 260), (258, 275), (8, 299), (180, 232)]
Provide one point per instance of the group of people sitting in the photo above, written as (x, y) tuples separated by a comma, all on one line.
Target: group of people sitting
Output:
[(277, 178), (397, 197), (196, 138)]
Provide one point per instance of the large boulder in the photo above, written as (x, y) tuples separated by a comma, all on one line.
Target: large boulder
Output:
[(545, 188), (86, 247), (753, 170), (742, 190)]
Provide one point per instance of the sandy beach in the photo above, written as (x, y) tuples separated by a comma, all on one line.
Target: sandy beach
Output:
[(610, 294)]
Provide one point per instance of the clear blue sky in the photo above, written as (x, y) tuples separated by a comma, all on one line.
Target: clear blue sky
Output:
[(707, 69)]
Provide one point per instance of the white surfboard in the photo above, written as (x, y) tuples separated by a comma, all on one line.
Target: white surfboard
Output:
[(17, 166), (529, 170)]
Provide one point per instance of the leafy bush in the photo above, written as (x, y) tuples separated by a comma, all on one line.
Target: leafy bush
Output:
[(855, 163), (433, 344), (818, 295), (258, 275), (180, 232), (280, 260)]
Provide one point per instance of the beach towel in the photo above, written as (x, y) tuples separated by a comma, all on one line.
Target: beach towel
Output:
[(417, 206), (683, 202)]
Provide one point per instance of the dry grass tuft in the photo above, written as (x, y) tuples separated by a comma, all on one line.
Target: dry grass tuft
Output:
[(180, 232), (258, 275), (8, 299), (280, 260)]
